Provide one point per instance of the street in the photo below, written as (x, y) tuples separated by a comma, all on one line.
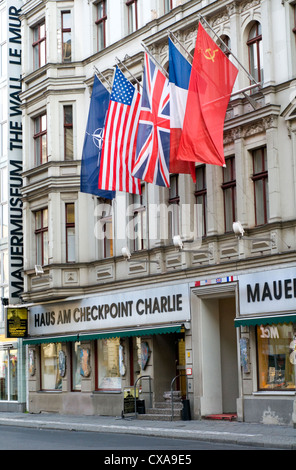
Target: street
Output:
[(20, 438)]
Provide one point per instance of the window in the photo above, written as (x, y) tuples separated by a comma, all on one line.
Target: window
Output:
[(50, 374), (70, 232), (66, 36), (174, 213), (167, 5), (3, 122), (41, 235), (106, 227), (132, 10), (226, 47), (68, 132), (76, 361), (255, 52), (229, 194), (101, 25), (39, 46), (139, 217), (40, 139), (3, 280), (276, 356), (201, 195), (8, 374), (260, 179), (108, 374)]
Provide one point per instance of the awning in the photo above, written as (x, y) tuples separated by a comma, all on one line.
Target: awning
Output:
[(265, 320), (160, 330)]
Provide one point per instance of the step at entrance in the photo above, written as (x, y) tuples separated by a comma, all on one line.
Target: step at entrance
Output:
[(162, 411)]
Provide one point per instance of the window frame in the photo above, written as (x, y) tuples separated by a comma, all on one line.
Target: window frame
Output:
[(68, 127), (256, 42), (69, 226), (43, 389), (65, 31), (173, 201), (229, 186), (140, 218), (37, 45), (101, 23), (38, 140), (132, 11), (202, 193), (258, 177), (167, 6), (40, 231)]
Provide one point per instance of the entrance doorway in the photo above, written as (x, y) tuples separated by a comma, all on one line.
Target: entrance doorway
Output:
[(219, 357)]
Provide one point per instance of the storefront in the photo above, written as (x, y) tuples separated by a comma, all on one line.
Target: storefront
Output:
[(84, 352), (267, 321)]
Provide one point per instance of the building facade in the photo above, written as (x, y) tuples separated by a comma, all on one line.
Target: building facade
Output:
[(213, 319), (12, 351)]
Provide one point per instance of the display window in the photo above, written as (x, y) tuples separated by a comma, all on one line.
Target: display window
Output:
[(108, 364), (276, 350), (51, 378), (76, 366), (8, 375)]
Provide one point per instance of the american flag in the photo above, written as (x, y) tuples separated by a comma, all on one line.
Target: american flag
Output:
[(153, 142), (119, 140)]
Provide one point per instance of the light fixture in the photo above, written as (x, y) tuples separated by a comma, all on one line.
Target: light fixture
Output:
[(179, 244), (239, 232), (38, 270), (127, 255)]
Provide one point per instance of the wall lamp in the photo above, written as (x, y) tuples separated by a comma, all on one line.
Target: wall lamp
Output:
[(179, 244), (239, 232), (127, 255)]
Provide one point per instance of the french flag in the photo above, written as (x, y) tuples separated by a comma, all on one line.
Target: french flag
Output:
[(179, 77)]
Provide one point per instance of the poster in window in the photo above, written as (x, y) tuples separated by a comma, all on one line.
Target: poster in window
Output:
[(16, 322)]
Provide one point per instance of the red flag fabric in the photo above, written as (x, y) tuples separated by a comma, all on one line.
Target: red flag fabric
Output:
[(211, 82)]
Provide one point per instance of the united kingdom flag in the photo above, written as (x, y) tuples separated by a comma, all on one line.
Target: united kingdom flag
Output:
[(153, 140)]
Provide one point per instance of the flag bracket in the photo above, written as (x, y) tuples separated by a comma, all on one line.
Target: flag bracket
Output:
[(124, 66), (154, 60), (101, 76), (179, 245)]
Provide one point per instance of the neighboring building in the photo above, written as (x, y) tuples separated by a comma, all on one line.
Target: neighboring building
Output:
[(99, 322), (12, 352)]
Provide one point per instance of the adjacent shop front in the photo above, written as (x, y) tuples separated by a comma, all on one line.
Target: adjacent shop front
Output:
[(267, 321), (84, 353)]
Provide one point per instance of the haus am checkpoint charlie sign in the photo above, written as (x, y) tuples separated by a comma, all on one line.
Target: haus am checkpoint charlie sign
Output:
[(155, 306)]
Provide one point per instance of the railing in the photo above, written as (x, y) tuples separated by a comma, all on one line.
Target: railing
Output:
[(172, 392), (150, 391)]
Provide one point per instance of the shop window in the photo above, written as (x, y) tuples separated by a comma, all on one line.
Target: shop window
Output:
[(76, 366), (50, 373), (70, 232), (260, 179), (201, 195), (40, 139), (41, 235), (39, 45), (66, 36), (132, 11), (8, 375), (255, 52), (101, 9), (68, 132), (276, 356), (229, 193), (108, 374)]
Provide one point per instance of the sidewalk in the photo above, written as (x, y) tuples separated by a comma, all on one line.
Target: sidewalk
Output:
[(257, 435)]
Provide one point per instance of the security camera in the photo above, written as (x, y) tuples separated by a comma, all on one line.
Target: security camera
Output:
[(238, 229), (125, 252), (177, 241)]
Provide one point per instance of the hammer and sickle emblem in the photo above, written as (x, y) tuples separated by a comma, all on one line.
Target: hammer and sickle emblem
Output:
[(210, 55)]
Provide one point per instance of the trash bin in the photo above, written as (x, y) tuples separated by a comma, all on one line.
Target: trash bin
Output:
[(185, 414), (140, 407)]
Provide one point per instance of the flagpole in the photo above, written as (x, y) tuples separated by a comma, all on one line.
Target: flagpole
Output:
[(102, 76), (153, 58), (118, 60), (179, 42)]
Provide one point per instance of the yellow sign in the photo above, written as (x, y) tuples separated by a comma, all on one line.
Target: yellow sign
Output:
[(16, 322)]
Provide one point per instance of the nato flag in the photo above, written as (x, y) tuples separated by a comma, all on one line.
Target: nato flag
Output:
[(93, 141)]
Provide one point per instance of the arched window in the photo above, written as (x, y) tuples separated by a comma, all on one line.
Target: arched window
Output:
[(255, 52), (226, 42)]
